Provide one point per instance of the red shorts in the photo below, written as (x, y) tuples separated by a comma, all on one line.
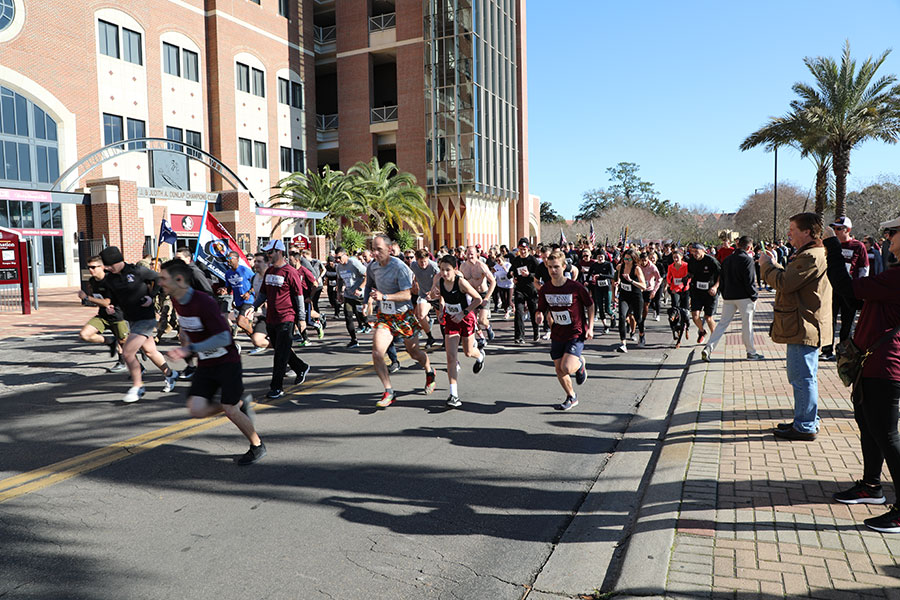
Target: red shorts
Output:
[(465, 328)]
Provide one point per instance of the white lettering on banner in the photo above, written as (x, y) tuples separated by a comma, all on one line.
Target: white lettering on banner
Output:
[(452, 309), (561, 317), (702, 285), (190, 323), (388, 307), (274, 280), (217, 353), (559, 299)]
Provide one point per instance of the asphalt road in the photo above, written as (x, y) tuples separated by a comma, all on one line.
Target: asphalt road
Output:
[(352, 502)]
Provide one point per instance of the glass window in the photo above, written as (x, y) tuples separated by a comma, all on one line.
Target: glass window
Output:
[(194, 140), (283, 7), (40, 123), (21, 116), (298, 161), (10, 161), (43, 173), (284, 91), (54, 261), (131, 46), (136, 129), (51, 129), (296, 94), (171, 62), (259, 155), (53, 163), (177, 135), (259, 83), (109, 39), (112, 129), (191, 65), (45, 215), (15, 214), (243, 77), (56, 215), (28, 215), (7, 111), (4, 214), (286, 160), (245, 152)]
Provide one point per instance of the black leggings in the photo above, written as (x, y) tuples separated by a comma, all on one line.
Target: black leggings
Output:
[(353, 310), (634, 302), (876, 415), (602, 301), (525, 301)]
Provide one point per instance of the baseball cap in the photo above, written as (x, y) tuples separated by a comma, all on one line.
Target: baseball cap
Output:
[(698, 246), (843, 222), (524, 242), (274, 245), (895, 224)]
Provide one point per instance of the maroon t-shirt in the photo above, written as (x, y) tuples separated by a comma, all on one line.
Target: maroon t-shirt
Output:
[(200, 318), (281, 285), (855, 255), (879, 315), (567, 303)]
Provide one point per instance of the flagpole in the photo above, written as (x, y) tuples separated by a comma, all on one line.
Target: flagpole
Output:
[(156, 258)]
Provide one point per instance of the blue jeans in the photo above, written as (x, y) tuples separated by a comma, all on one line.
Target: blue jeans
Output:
[(802, 371)]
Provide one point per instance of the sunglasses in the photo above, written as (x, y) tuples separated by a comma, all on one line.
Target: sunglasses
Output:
[(838, 228)]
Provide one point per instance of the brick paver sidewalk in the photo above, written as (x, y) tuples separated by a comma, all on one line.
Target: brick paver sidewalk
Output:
[(756, 517), (60, 312)]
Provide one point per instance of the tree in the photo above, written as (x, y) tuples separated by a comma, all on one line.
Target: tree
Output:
[(548, 215), (756, 217), (873, 205), (627, 185), (627, 189), (390, 198), (331, 192), (594, 203)]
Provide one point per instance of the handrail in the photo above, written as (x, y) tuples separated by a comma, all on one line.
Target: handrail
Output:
[(382, 22), (324, 35), (383, 114), (326, 122)]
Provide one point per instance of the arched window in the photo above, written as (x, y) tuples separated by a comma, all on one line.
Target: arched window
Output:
[(7, 13), (29, 147)]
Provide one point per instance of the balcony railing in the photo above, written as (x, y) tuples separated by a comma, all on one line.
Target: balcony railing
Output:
[(384, 114), (324, 35), (326, 122), (382, 22)]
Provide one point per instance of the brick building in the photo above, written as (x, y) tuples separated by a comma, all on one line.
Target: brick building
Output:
[(260, 88)]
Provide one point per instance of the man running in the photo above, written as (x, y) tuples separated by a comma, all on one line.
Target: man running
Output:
[(219, 364), (282, 292), (94, 329), (388, 283), (482, 280), (525, 268), (259, 336), (424, 270), (239, 281), (569, 305), (131, 289), (704, 272), (351, 282)]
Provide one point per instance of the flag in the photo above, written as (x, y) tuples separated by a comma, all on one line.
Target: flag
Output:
[(213, 246), (562, 237), (167, 234), (591, 237)]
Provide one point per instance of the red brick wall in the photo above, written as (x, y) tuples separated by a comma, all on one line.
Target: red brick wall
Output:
[(354, 104)]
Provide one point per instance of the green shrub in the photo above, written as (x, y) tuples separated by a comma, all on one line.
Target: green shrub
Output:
[(406, 239)]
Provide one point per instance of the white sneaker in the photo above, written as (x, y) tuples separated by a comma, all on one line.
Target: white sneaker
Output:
[(623, 348), (704, 354), (238, 347), (170, 382), (134, 394), (256, 351), (546, 336), (656, 318)]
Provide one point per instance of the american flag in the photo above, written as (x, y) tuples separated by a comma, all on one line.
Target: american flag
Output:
[(591, 237), (562, 237)]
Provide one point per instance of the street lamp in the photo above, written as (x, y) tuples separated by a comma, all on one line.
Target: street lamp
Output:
[(775, 208)]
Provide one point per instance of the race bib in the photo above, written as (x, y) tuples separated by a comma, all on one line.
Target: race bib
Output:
[(522, 271), (602, 283), (452, 309), (562, 317), (388, 307), (702, 285), (217, 353), (677, 281), (625, 287)]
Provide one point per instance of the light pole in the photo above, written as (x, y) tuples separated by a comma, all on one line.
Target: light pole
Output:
[(775, 214)]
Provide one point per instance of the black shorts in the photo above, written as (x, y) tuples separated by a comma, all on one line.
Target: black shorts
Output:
[(260, 326), (225, 376), (573, 347), (701, 300)]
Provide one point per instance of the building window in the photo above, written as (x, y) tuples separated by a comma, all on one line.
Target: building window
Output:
[(191, 65), (296, 94), (243, 77), (131, 46), (136, 129), (259, 155), (259, 83), (255, 1), (112, 129), (284, 91), (7, 13), (171, 63), (285, 159), (109, 39), (245, 152), (291, 160), (284, 7), (28, 143), (298, 161), (194, 140), (176, 135), (54, 261)]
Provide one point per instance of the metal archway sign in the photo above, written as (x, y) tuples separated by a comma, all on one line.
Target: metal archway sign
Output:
[(117, 149)]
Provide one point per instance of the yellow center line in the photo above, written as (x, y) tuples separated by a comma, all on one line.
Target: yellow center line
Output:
[(43, 477)]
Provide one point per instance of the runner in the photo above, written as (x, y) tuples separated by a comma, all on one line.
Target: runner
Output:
[(504, 288), (599, 276), (653, 279), (480, 277), (388, 283), (631, 285), (259, 336), (570, 306), (201, 283), (352, 279), (331, 278), (704, 271), (424, 270), (524, 268), (282, 292), (94, 329), (459, 323), (132, 289), (239, 281), (219, 364)]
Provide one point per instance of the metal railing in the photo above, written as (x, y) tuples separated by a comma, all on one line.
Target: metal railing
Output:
[(324, 35), (382, 22), (383, 114), (326, 122)]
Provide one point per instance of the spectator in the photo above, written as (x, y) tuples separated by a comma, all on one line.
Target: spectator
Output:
[(876, 264), (802, 319), (876, 395), (856, 260)]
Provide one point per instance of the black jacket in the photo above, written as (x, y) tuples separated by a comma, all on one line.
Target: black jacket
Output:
[(738, 275)]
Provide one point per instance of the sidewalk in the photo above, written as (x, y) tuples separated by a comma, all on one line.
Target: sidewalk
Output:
[(60, 312), (755, 517)]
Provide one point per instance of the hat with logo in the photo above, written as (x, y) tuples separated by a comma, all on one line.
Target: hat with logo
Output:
[(274, 245), (895, 224), (524, 242), (843, 222), (111, 255)]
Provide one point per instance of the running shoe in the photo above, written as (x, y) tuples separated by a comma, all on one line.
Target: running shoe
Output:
[(274, 394), (861, 493), (642, 343), (170, 382), (247, 409), (656, 317), (237, 346), (387, 398), (134, 394), (119, 367), (581, 374), (430, 343), (490, 332), (704, 354), (352, 344), (429, 381), (546, 336), (826, 357), (480, 343), (256, 351), (602, 330), (324, 321), (303, 343), (567, 404), (535, 337), (478, 367), (320, 331), (394, 367), (889, 522), (186, 373), (622, 348), (519, 341), (631, 337), (252, 455), (755, 356), (701, 336), (301, 377), (454, 401)]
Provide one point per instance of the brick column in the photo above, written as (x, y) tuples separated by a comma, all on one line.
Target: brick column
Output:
[(318, 244), (114, 214)]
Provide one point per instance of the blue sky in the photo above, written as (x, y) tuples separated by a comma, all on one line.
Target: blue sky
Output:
[(676, 87)]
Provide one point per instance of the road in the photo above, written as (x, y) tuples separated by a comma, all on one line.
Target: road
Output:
[(352, 502)]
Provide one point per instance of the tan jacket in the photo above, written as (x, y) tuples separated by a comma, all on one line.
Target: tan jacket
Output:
[(802, 298)]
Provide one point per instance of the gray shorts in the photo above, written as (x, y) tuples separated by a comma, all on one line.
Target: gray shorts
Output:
[(146, 327)]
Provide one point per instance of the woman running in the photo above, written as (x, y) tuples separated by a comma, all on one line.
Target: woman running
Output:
[(631, 300)]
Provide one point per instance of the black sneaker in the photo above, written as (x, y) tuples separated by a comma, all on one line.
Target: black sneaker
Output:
[(252, 455), (454, 401), (785, 426), (889, 522), (567, 404), (247, 409), (478, 367), (188, 372), (394, 367), (581, 374), (519, 341), (301, 377), (274, 394), (861, 493), (352, 344)]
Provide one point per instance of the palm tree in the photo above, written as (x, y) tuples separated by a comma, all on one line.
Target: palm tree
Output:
[(848, 107), (390, 198), (331, 191)]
